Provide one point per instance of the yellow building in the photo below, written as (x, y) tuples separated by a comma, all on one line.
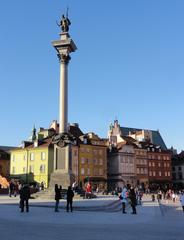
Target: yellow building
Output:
[(33, 162)]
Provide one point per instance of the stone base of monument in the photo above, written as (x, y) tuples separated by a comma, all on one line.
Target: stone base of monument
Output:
[(57, 177), (62, 179)]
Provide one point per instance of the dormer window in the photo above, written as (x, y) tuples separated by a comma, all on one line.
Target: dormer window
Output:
[(35, 144)]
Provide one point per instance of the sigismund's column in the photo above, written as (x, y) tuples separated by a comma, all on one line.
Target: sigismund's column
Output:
[(64, 47), (62, 173)]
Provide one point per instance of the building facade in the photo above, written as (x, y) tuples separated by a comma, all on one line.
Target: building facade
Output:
[(121, 166), (159, 165), (4, 163), (33, 162), (141, 157), (178, 170), (152, 160), (92, 161)]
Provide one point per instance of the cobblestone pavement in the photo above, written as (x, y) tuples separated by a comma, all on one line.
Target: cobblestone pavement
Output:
[(153, 221)]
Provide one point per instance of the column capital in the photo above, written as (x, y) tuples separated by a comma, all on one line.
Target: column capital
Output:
[(64, 58)]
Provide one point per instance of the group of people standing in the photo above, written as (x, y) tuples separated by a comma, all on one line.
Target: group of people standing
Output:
[(14, 188), (69, 198), (128, 195)]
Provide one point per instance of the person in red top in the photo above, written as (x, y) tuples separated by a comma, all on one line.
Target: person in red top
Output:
[(88, 188)]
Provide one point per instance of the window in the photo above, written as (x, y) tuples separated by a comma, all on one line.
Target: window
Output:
[(149, 164), (88, 171), (95, 151), (31, 156), (82, 160), (13, 158), (153, 164), (31, 169), (96, 161), (165, 174), (42, 168), (168, 165), (24, 169), (173, 168), (138, 171), (174, 176), (179, 168), (168, 174), (159, 164), (43, 155), (100, 152), (180, 176), (160, 173), (13, 169), (24, 157), (154, 174), (101, 161), (87, 161), (150, 173)]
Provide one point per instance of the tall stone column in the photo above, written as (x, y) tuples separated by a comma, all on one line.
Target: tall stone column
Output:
[(63, 142), (64, 47)]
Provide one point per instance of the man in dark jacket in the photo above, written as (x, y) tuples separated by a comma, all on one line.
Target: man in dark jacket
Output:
[(24, 197), (133, 200), (70, 195), (57, 196)]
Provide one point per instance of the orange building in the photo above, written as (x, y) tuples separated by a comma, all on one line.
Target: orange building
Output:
[(92, 161), (4, 163)]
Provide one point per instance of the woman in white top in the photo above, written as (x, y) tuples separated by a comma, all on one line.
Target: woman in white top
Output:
[(123, 198)]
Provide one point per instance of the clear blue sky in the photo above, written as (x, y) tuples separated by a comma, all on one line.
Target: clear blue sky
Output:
[(129, 64)]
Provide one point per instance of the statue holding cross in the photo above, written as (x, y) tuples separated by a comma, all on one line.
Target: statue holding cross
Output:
[(64, 23)]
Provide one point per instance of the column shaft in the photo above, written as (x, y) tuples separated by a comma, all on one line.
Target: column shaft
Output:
[(63, 108)]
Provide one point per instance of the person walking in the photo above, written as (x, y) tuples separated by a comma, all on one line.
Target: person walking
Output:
[(182, 200), (123, 198), (11, 188), (70, 195), (24, 198), (57, 197), (133, 200), (16, 189)]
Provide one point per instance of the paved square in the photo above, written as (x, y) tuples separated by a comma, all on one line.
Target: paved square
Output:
[(165, 222)]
